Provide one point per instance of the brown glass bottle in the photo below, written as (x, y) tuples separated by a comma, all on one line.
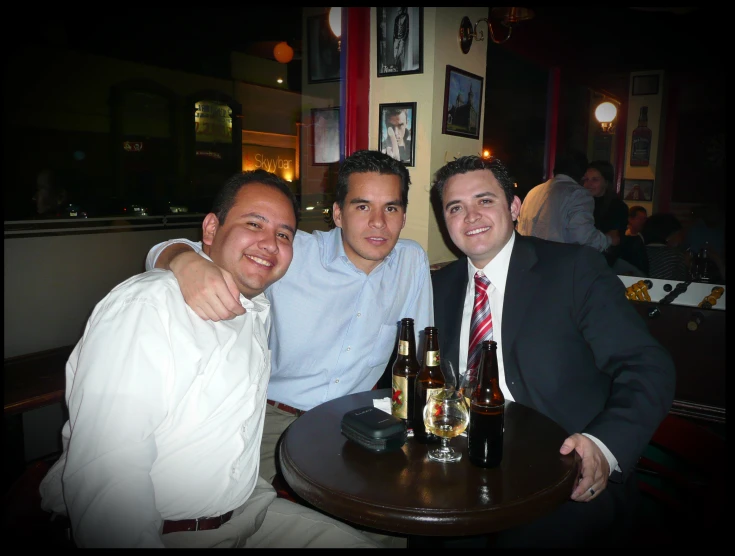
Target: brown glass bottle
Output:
[(640, 145), (429, 378), (487, 411), (405, 368)]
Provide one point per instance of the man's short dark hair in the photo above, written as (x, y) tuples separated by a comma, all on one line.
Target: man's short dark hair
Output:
[(659, 227), (572, 163), (225, 197), (361, 162), (635, 209), (471, 163)]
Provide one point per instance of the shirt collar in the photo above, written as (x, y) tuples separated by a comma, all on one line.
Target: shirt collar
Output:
[(334, 249), (497, 269), (258, 303)]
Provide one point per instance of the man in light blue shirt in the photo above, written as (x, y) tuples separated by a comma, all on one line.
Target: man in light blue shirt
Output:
[(335, 313)]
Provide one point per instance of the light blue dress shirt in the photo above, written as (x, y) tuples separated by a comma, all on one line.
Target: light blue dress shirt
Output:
[(333, 326)]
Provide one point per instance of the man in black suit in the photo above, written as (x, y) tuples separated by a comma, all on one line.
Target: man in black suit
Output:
[(571, 346)]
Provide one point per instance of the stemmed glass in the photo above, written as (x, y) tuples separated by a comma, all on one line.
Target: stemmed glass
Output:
[(446, 415)]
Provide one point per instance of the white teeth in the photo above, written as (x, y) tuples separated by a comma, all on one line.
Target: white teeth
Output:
[(478, 231), (259, 260)]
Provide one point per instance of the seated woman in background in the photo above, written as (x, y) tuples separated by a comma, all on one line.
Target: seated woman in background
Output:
[(611, 213), (663, 234)]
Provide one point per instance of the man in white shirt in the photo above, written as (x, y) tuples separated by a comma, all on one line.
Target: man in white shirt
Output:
[(560, 209), (336, 311), (570, 345), (166, 410)]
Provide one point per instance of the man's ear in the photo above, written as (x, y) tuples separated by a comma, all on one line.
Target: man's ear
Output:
[(515, 208), (337, 215), (210, 225)]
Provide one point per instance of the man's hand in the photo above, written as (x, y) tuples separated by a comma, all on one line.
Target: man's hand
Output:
[(595, 467), (208, 289), (614, 236)]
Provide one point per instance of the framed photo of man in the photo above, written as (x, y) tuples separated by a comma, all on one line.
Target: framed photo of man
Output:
[(462, 103), (397, 127), (400, 41), (325, 135), (323, 50)]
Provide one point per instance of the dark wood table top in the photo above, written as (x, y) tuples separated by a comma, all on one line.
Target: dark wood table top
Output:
[(404, 492), (35, 380)]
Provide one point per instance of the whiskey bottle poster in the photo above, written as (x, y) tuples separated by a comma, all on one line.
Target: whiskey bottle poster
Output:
[(640, 149)]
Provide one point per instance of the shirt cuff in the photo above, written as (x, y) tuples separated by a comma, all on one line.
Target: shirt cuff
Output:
[(607, 453)]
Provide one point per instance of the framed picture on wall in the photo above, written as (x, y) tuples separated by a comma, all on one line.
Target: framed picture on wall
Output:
[(400, 41), (323, 49), (325, 135), (462, 103), (637, 190), (397, 125)]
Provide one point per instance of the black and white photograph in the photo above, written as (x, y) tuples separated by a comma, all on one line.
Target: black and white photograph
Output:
[(323, 62), (400, 41), (462, 103), (325, 135), (397, 125)]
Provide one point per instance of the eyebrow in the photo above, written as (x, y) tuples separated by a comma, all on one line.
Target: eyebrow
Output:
[(368, 202), (478, 196), (264, 219)]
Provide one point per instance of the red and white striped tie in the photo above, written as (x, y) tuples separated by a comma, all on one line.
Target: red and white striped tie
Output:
[(481, 325)]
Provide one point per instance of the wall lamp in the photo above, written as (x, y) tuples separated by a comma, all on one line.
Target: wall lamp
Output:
[(605, 114), (335, 25), (508, 18)]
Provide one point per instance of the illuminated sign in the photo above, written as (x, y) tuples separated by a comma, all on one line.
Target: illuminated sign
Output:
[(273, 159), (213, 122)]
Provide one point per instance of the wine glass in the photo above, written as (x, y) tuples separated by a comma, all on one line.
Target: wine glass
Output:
[(446, 415), (468, 383), (447, 370)]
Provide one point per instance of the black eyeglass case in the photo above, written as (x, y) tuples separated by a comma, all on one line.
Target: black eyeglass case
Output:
[(374, 429)]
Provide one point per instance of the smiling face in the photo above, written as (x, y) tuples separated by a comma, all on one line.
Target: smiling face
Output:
[(371, 218), (477, 215), (255, 242), (594, 182)]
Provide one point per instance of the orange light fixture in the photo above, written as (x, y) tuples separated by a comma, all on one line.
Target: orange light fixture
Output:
[(283, 53)]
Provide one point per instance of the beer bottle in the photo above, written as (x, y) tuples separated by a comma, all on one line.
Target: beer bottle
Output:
[(404, 370), (429, 378), (487, 411)]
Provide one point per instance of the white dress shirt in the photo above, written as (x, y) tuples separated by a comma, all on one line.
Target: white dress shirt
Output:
[(165, 414), (335, 327), (497, 272)]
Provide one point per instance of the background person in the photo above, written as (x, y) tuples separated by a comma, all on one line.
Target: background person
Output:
[(610, 212), (571, 346), (562, 210), (166, 410), (632, 245), (663, 235)]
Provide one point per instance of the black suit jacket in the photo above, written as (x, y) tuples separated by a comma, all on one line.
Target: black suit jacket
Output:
[(573, 346)]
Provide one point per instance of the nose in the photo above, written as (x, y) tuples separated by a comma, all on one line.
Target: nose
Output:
[(269, 244), (471, 214), (377, 219)]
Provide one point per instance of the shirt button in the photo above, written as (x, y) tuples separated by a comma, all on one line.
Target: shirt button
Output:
[(359, 314), (336, 381), (349, 348)]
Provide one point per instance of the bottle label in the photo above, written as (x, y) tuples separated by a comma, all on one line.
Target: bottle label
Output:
[(432, 358), (430, 391), (399, 400), (402, 347)]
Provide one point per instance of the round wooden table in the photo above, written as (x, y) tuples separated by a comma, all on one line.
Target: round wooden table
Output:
[(404, 492)]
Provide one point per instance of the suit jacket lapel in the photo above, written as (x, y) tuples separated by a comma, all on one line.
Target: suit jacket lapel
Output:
[(521, 282), (449, 310)]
